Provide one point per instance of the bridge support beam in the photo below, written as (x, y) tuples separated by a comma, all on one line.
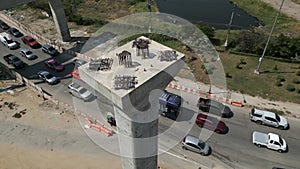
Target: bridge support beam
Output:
[(60, 19)]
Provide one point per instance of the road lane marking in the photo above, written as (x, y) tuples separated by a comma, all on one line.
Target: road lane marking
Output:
[(177, 156)]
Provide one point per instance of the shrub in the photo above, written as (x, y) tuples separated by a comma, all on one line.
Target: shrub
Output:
[(228, 75), (41, 4), (298, 73), (280, 78), (278, 83), (205, 70), (275, 67), (242, 61), (238, 66), (208, 30), (133, 2), (296, 81), (290, 87)]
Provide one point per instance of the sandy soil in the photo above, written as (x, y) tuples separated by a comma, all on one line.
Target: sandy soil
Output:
[(36, 135), (290, 8)]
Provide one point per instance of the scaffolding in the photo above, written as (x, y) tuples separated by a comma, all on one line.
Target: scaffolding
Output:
[(125, 82), (168, 55), (101, 64), (125, 58), (142, 47)]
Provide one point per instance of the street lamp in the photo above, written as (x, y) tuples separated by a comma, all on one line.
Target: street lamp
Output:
[(229, 25), (269, 38), (150, 10)]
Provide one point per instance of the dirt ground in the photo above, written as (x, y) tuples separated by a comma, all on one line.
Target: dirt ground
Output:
[(36, 135)]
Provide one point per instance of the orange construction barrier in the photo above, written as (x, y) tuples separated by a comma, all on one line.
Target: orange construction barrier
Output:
[(99, 127), (239, 104), (75, 74)]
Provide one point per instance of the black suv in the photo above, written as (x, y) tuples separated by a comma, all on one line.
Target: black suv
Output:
[(14, 60), (50, 50), (3, 25), (214, 107), (15, 32)]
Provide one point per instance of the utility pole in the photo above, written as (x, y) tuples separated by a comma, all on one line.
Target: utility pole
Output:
[(150, 15), (229, 25), (269, 38)]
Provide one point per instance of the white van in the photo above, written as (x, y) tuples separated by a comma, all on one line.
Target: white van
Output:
[(6, 40)]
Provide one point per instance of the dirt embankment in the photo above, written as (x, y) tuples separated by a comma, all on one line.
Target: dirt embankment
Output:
[(290, 8)]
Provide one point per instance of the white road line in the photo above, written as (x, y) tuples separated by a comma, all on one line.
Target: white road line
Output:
[(182, 158)]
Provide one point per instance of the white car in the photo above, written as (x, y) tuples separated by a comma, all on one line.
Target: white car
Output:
[(48, 77), (6, 40), (80, 92), (28, 54), (194, 144)]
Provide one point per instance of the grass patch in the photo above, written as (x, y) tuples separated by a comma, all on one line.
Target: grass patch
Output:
[(263, 85), (262, 11), (265, 13)]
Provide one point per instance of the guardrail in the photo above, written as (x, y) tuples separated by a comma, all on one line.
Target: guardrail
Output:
[(205, 94)]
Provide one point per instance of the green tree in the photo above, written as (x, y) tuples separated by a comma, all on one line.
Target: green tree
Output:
[(279, 47), (251, 41), (284, 47), (208, 30)]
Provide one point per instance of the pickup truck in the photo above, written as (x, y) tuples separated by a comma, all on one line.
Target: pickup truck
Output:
[(270, 140), (268, 118)]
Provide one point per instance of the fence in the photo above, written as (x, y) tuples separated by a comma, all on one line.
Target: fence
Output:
[(39, 37), (60, 104)]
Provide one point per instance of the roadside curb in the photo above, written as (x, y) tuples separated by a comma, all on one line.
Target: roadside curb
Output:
[(205, 94)]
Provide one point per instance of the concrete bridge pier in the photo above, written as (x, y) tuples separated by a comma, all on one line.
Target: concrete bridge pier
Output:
[(137, 109), (60, 19), (136, 152)]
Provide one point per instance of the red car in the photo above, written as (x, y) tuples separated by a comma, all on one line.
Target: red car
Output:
[(211, 123), (28, 40), (55, 65)]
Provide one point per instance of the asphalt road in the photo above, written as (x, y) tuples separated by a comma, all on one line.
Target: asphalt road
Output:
[(232, 150)]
